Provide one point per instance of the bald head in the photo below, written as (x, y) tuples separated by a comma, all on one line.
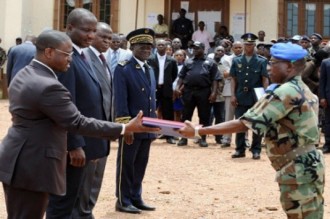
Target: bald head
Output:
[(78, 15)]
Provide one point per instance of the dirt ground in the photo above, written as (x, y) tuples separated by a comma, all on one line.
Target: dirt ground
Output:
[(193, 183)]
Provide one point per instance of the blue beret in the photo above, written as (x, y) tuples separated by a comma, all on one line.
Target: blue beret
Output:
[(288, 51)]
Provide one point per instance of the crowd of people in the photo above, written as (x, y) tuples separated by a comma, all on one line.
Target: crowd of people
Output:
[(89, 71)]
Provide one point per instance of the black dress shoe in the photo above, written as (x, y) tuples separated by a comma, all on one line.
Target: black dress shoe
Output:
[(170, 141), (225, 145), (182, 142), (325, 150), (203, 143), (256, 156), (144, 207), (238, 155), (127, 209)]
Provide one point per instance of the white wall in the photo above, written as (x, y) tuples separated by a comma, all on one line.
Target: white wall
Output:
[(128, 14), (258, 16)]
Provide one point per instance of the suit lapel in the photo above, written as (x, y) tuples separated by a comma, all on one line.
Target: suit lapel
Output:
[(85, 64), (98, 65)]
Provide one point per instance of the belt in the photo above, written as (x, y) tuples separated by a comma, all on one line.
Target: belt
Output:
[(245, 89), (283, 160)]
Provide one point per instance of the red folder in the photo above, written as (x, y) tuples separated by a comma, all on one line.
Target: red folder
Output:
[(167, 127)]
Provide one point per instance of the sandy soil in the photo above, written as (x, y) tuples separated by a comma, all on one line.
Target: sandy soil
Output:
[(192, 182)]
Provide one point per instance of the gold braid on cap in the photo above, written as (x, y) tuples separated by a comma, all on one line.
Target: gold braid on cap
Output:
[(141, 38), (123, 120)]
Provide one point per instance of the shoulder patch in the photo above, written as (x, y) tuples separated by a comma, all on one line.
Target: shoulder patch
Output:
[(123, 63)]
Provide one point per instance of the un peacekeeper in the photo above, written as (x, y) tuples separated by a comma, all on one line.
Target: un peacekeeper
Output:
[(200, 76), (248, 71), (287, 116)]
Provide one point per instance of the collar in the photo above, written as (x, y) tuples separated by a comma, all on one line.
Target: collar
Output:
[(51, 70), (95, 51), (161, 56), (79, 50), (141, 63)]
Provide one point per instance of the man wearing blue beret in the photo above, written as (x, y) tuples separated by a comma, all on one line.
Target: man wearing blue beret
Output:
[(287, 116)]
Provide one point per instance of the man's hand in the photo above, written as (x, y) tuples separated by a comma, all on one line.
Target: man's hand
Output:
[(135, 125), (188, 130), (233, 101), (212, 97), (129, 138), (324, 103), (77, 157)]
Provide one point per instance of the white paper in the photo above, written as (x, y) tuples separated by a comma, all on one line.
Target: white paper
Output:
[(185, 5), (238, 25), (259, 91)]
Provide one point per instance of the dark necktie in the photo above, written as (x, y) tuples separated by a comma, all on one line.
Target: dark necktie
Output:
[(147, 72), (104, 62), (83, 56)]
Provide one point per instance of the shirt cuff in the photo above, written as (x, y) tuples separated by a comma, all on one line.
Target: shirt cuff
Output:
[(123, 129)]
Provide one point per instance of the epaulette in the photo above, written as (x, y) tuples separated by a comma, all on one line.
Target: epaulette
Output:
[(123, 120), (123, 63)]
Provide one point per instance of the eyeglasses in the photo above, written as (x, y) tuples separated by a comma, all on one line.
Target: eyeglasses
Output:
[(63, 52)]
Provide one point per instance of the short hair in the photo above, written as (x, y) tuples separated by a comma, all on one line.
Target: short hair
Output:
[(76, 15), (51, 39)]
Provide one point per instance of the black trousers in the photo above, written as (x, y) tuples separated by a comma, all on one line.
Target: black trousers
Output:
[(326, 128), (165, 104), (240, 137), (61, 207), (197, 98), (132, 163), (24, 204)]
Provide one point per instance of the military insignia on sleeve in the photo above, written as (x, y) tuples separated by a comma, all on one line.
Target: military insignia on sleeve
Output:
[(123, 120)]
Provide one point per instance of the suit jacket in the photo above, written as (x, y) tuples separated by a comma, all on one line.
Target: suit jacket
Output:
[(170, 73), (134, 93), (19, 57), (33, 154), (325, 80), (103, 79), (86, 93)]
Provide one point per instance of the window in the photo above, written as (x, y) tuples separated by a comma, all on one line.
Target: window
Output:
[(101, 8), (304, 17)]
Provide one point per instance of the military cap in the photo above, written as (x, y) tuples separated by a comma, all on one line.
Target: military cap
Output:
[(142, 35), (268, 45), (318, 36), (288, 51), (249, 38), (199, 44), (306, 38)]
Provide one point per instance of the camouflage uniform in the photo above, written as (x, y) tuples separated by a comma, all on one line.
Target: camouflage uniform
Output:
[(287, 117), (3, 57)]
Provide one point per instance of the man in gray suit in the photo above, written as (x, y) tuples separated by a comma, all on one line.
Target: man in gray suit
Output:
[(20, 56), (91, 182), (33, 153)]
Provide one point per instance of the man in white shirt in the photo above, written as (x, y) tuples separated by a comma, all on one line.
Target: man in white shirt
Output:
[(203, 36)]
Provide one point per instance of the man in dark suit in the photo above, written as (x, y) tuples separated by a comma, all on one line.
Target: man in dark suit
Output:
[(325, 101), (93, 172), (20, 56), (33, 153), (86, 92), (134, 87), (166, 71)]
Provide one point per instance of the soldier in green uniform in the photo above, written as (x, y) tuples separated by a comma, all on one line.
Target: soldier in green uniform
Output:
[(287, 116), (248, 71)]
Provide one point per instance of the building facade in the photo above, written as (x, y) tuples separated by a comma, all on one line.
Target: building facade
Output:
[(276, 17)]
